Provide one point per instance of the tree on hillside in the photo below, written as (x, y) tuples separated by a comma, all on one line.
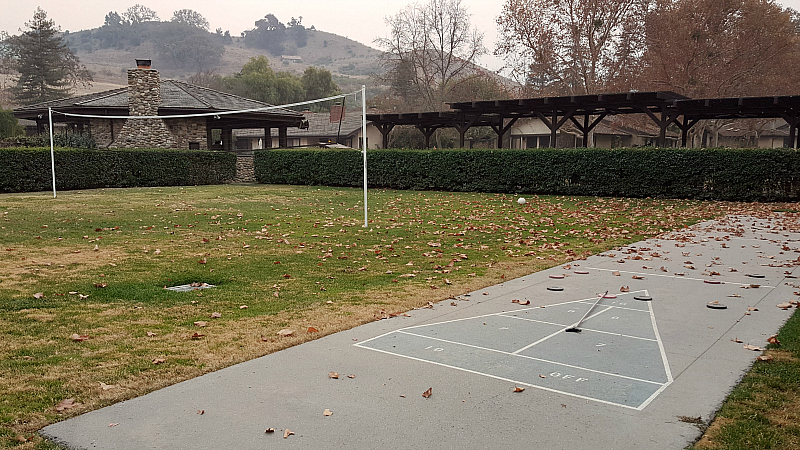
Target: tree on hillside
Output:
[(722, 48), (571, 47), (318, 83), (191, 18), (268, 34), (431, 48), (138, 13), (8, 124), (188, 47), (47, 67), (258, 81), (297, 32)]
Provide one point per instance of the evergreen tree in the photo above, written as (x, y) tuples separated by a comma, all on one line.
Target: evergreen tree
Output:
[(47, 68)]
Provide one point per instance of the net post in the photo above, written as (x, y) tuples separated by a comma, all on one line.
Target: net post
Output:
[(364, 145), (52, 155)]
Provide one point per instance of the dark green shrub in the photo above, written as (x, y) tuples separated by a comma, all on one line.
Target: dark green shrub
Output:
[(68, 139), (719, 174), (28, 169)]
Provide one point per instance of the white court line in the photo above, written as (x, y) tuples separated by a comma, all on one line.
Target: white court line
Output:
[(585, 302), (563, 326), (671, 276), (530, 357), (557, 332), (495, 314), (639, 408), (660, 344)]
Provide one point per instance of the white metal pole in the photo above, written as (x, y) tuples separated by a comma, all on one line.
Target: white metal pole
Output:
[(52, 155), (364, 141)]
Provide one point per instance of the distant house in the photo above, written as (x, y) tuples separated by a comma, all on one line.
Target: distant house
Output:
[(290, 58), (533, 133), (322, 131), (148, 96)]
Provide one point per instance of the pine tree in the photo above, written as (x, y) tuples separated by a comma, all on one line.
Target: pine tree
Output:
[(47, 68)]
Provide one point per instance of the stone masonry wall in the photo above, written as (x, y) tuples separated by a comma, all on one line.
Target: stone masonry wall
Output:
[(105, 130), (188, 130)]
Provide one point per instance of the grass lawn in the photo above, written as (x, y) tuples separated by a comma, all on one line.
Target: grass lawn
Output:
[(84, 314)]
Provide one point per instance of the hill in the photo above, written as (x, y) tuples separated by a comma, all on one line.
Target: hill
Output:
[(351, 63)]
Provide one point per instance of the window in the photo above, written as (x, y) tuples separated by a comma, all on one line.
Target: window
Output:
[(194, 146)]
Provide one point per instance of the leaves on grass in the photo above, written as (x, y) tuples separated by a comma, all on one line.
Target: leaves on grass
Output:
[(334, 375), (197, 336), (202, 261), (285, 332), (243, 307), (151, 334), (312, 330), (67, 403), (159, 361), (100, 285), (107, 387), (216, 315), (428, 393), (79, 337), (765, 358), (201, 323), (774, 340), (38, 295)]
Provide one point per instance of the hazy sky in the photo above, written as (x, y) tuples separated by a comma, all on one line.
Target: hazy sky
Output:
[(361, 20)]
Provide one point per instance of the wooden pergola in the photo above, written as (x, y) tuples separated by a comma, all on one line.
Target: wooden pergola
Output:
[(664, 108)]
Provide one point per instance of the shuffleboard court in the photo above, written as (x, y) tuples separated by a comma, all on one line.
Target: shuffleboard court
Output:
[(617, 358)]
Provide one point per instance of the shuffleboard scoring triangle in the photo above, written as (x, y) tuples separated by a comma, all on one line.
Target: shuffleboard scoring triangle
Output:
[(618, 358)]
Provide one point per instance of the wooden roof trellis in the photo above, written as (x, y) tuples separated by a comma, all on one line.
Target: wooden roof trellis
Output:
[(665, 108)]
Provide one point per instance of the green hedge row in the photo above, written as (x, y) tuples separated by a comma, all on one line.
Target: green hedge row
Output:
[(708, 174), (28, 169)]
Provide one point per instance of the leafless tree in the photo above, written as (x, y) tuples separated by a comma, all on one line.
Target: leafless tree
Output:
[(431, 48), (572, 47)]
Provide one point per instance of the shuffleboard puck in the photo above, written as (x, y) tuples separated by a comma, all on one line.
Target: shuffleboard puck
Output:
[(555, 288), (716, 305), (754, 275), (582, 272), (557, 277), (712, 281), (643, 298)]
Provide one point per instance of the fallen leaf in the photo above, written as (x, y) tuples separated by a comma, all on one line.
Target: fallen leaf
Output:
[(243, 307), (157, 252), (518, 389), (197, 335), (752, 309), (327, 412), (616, 274), (428, 393), (525, 303), (79, 337), (514, 301), (755, 286), (107, 387), (312, 330), (159, 361), (453, 304), (38, 295), (765, 358), (542, 376), (287, 433), (735, 295), (151, 334), (269, 430), (625, 289), (664, 269), (753, 348), (66, 404), (216, 315), (737, 340), (351, 376), (637, 277), (334, 375), (774, 340), (201, 411), (100, 285), (202, 261), (285, 332), (201, 323), (784, 306), (21, 438)]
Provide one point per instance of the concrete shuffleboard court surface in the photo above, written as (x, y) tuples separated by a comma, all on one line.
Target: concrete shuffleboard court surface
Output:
[(648, 353)]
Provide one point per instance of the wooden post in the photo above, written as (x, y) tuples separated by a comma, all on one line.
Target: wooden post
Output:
[(283, 138)]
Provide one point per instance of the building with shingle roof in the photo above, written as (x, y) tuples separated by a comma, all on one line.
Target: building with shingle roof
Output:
[(148, 96)]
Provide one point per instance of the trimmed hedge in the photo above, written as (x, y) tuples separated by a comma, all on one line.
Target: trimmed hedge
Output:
[(28, 169), (707, 174)]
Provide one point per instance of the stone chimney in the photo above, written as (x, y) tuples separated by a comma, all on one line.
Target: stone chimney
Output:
[(144, 98)]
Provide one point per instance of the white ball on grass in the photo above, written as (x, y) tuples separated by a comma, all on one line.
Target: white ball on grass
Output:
[(521, 200)]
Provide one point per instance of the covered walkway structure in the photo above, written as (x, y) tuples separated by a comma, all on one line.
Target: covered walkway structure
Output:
[(664, 108)]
